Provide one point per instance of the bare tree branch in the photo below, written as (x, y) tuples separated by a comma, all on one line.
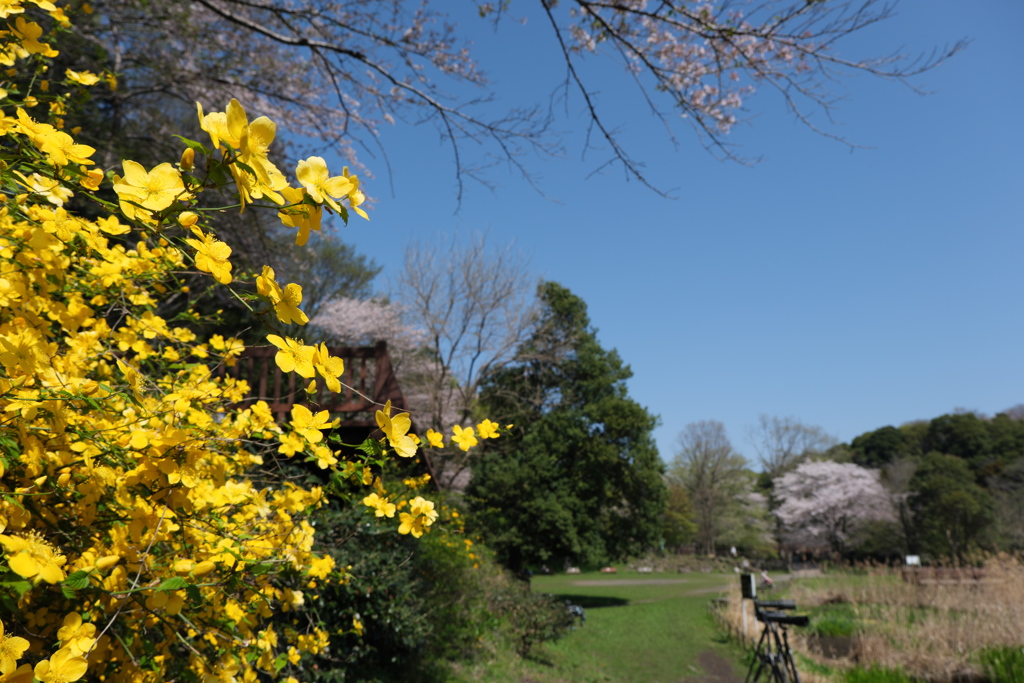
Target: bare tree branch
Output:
[(475, 305), (333, 71)]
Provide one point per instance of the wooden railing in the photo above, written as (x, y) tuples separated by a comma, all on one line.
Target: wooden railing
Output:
[(369, 382)]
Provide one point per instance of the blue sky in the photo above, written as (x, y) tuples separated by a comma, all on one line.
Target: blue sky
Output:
[(850, 290)]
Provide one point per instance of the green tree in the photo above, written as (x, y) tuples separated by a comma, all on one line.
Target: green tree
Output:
[(1008, 494), (880, 447), (964, 435), (579, 478), (951, 512), (677, 525)]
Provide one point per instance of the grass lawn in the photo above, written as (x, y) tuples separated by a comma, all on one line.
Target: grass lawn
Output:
[(639, 627)]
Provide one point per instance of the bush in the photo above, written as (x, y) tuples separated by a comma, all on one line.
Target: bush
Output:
[(149, 531), (532, 618), (835, 626), (1003, 664), (837, 621)]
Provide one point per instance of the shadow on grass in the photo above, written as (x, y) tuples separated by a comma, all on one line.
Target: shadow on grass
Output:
[(539, 659), (592, 601)]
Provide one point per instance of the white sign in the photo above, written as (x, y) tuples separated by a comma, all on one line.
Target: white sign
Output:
[(913, 560)]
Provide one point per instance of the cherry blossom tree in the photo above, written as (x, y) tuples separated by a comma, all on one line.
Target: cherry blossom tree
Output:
[(337, 70), (823, 503)]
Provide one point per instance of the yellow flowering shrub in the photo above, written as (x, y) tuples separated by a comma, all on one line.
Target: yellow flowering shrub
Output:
[(140, 539)]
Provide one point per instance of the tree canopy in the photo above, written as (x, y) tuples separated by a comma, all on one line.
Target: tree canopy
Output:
[(951, 512), (579, 477)]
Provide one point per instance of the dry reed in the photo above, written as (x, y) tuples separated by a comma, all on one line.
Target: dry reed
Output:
[(931, 624)]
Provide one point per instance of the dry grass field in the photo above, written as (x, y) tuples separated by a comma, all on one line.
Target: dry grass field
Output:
[(930, 624)]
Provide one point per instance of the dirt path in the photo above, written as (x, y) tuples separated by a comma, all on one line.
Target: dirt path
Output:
[(629, 582), (716, 670)]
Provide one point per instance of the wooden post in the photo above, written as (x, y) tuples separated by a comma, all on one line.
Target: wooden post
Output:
[(743, 609)]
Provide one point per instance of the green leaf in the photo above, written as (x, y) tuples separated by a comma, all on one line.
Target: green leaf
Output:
[(78, 580), (247, 168), (371, 447), (68, 591), (195, 596), (172, 584), (197, 146), (218, 176), (14, 582), (259, 568)]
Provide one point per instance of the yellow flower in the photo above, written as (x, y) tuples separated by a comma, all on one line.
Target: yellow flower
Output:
[(61, 149), (63, 667), (140, 192), (410, 525), (420, 516), (487, 429), (32, 557), (382, 506), (308, 425), (355, 195), (48, 188), (220, 128), (75, 635), (464, 437), (29, 32), (9, 7), (293, 356), (396, 430), (357, 626), (324, 457), (11, 649), (300, 215), (435, 438), (256, 145), (252, 140), (291, 444), (23, 674), (286, 301), (320, 568), (82, 77), (91, 178), (230, 348), (135, 380), (312, 174), (330, 368), (212, 257), (32, 128)]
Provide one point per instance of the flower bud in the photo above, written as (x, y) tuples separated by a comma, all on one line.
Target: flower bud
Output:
[(203, 568), (188, 159), (107, 562), (187, 219)]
